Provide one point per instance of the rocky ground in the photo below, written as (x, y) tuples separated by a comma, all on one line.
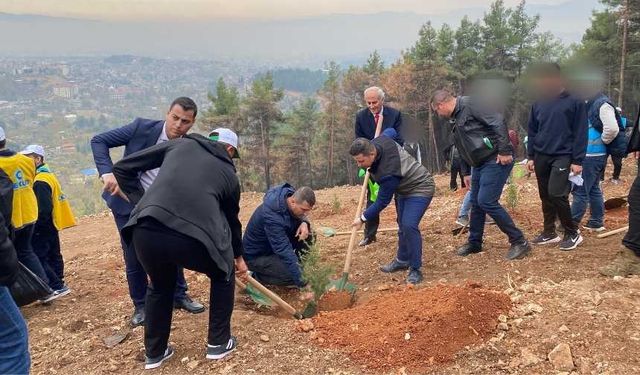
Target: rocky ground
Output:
[(564, 317)]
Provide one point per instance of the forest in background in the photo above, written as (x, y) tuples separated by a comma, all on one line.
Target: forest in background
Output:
[(308, 144)]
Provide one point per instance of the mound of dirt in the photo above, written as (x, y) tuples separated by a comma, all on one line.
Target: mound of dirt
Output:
[(414, 329), (335, 300)]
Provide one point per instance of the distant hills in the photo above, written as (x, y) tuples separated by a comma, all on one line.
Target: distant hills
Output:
[(295, 42)]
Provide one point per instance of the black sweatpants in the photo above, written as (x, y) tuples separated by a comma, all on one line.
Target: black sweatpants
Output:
[(632, 238), (271, 270), (456, 171), (552, 173), (372, 224), (162, 251)]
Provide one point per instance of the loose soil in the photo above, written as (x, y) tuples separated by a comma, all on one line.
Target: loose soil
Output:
[(558, 297), (414, 329), (335, 300)]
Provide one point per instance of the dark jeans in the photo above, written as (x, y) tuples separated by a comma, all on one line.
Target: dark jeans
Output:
[(552, 173), (410, 211), (136, 275), (632, 238), (590, 194), (455, 172), (26, 255), (164, 252), (372, 224), (617, 168), (487, 182), (271, 270), (46, 245), (14, 337)]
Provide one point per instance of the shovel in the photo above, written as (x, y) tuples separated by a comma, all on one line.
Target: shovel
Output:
[(342, 282), (613, 203), (330, 232), (309, 311)]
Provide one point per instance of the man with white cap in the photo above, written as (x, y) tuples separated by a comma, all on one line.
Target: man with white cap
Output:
[(54, 214), (228, 137), (22, 172)]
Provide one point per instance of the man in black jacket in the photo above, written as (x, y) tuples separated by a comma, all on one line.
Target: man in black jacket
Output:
[(187, 218), (365, 127), (13, 329), (481, 138), (558, 128)]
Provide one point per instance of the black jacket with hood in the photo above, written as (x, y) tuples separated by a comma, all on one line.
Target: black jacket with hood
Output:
[(8, 257), (196, 193)]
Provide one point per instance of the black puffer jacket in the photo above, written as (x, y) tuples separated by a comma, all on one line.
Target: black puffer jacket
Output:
[(479, 134), (196, 193), (8, 258)]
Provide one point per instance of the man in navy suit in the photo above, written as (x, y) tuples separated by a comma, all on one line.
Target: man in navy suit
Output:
[(366, 120), (138, 135)]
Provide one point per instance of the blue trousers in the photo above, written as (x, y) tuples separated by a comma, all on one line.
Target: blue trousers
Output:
[(487, 182), (410, 211), (590, 194), (136, 276), (465, 208), (14, 338)]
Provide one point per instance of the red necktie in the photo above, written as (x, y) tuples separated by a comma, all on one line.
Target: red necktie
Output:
[(375, 118)]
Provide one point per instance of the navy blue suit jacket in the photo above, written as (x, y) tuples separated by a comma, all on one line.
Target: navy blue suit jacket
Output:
[(138, 135), (366, 125)]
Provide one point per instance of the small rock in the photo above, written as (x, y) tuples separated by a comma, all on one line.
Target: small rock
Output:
[(113, 368), (264, 338), (563, 329), (383, 287), (532, 308), (503, 326), (305, 325), (184, 360), (502, 318), (517, 322), (407, 336), (192, 365), (561, 358), (618, 279), (528, 358)]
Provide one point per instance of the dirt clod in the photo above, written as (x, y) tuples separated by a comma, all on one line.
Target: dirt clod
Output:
[(438, 318)]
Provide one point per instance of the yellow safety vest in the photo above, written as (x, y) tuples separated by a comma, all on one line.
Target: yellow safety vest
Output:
[(22, 171), (62, 213)]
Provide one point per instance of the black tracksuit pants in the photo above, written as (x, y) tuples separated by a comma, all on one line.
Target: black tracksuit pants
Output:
[(162, 251), (371, 225), (552, 172), (632, 238)]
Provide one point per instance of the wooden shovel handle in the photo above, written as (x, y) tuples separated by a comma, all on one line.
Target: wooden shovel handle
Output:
[(363, 195), (272, 296), (612, 232), (361, 231)]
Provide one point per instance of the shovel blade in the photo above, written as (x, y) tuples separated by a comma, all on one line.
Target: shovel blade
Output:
[(328, 231), (258, 297)]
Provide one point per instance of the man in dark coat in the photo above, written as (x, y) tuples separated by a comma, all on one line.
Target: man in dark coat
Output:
[(278, 234)]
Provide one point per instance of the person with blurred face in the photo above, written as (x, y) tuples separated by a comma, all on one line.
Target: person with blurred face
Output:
[(365, 127), (557, 144), (279, 234), (481, 136), (137, 136), (399, 174)]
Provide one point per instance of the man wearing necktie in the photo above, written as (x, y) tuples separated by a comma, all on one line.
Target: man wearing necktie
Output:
[(365, 127)]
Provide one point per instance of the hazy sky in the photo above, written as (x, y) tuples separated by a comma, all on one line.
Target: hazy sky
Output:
[(199, 9)]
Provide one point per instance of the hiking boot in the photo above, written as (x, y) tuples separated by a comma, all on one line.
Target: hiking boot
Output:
[(594, 228), (367, 241), (626, 263), (415, 276), (151, 363), (545, 238), (518, 250), (56, 294), (468, 249), (571, 241), (463, 221), (221, 351), (395, 266)]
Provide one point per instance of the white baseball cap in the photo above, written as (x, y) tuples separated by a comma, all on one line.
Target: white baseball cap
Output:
[(2, 135), (226, 136), (33, 149)]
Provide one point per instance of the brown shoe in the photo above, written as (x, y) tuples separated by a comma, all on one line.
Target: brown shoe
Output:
[(626, 263)]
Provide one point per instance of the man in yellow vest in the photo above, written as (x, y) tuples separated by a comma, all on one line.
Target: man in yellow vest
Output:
[(22, 172), (54, 214)]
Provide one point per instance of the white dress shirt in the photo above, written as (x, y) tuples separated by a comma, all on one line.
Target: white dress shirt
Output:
[(147, 178)]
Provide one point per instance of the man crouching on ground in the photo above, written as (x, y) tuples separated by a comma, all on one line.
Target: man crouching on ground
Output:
[(278, 234), (397, 173)]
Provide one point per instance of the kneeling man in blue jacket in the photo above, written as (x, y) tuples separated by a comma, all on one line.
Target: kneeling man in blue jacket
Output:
[(278, 234)]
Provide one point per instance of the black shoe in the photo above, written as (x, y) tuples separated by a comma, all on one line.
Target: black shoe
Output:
[(188, 304), (468, 249), (394, 266), (518, 250), (546, 238), (137, 319), (367, 241), (415, 276), (151, 363), (221, 351), (571, 241)]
